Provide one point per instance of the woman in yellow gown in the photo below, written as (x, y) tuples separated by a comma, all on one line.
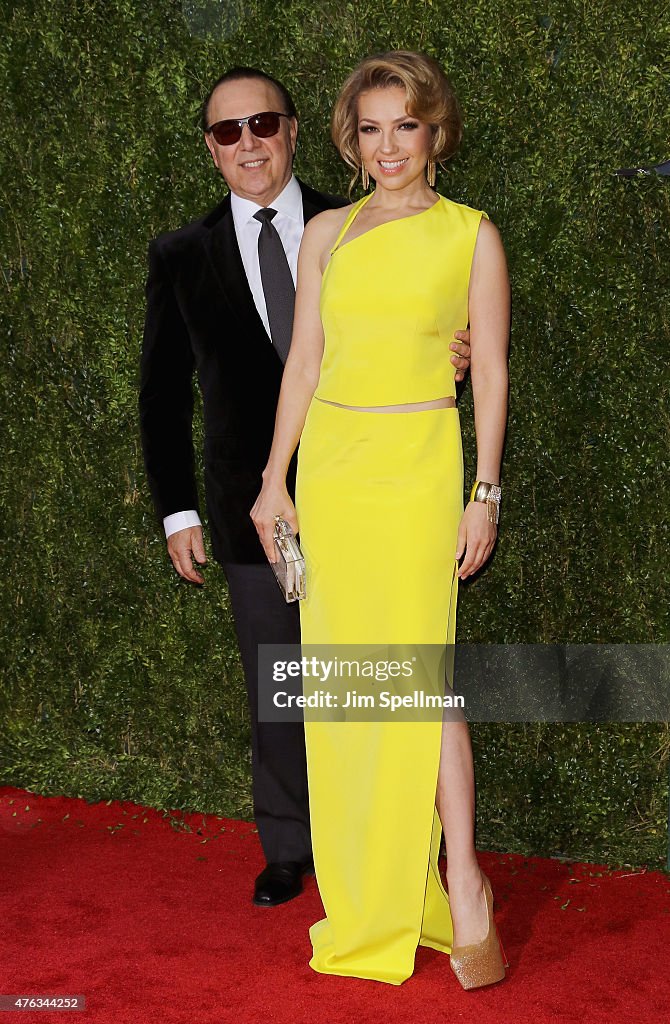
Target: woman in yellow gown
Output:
[(369, 391)]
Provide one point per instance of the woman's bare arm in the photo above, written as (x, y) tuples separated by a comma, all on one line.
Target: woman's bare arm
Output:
[(489, 307), (301, 375)]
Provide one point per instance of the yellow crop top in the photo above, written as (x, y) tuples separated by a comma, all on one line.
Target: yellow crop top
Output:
[(391, 300)]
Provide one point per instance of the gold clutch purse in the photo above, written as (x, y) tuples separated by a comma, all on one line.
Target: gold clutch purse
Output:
[(289, 569)]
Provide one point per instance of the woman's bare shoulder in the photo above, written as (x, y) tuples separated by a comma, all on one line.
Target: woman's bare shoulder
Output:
[(328, 221), (489, 258), (488, 237), (321, 231)]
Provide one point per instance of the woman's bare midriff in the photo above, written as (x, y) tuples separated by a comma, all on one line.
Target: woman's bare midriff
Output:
[(435, 403)]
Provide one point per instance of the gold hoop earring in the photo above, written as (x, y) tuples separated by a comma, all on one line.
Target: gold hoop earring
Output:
[(430, 172), (365, 177)]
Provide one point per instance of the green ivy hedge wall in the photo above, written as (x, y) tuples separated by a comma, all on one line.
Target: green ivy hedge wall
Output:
[(120, 680)]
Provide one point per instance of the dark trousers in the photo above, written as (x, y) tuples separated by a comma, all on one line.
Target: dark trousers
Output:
[(278, 764)]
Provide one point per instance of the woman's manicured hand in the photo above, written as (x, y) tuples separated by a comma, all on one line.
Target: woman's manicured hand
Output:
[(476, 537), (273, 500)]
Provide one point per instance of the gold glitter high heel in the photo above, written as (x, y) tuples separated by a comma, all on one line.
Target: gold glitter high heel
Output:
[(481, 963)]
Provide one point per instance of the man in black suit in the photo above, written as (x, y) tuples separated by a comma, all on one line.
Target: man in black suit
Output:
[(209, 310)]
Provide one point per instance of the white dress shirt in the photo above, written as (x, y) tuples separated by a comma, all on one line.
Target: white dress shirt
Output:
[(290, 225)]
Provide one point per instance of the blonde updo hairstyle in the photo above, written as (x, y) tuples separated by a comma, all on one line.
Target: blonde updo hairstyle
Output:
[(430, 98)]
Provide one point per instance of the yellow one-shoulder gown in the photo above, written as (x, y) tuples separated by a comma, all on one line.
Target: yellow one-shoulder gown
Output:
[(372, 484)]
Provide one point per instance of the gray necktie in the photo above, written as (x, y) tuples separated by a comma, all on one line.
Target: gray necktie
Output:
[(278, 286)]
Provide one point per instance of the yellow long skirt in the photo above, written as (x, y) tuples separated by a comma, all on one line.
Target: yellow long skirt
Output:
[(379, 499)]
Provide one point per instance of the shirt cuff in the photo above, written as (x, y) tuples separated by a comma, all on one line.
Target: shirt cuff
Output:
[(180, 521)]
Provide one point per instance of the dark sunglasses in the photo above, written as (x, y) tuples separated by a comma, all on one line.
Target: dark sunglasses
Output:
[(262, 125)]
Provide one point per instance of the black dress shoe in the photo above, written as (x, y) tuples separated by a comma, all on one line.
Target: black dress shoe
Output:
[(278, 883)]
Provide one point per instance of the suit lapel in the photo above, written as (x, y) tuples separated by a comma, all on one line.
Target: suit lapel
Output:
[(220, 242), (223, 253), (309, 207)]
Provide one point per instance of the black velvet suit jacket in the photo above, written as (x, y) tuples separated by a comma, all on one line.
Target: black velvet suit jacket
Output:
[(201, 317)]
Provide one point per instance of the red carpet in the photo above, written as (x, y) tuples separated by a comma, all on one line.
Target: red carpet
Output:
[(152, 922)]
